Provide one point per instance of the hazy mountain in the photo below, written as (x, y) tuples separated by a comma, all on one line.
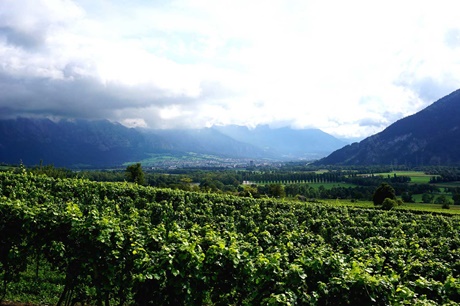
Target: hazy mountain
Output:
[(429, 137), (207, 141), (285, 142), (70, 143), (81, 143)]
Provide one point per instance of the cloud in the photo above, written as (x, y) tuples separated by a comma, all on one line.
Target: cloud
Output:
[(349, 68), (452, 38), (28, 23)]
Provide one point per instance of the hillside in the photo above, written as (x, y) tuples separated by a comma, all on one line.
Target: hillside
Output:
[(69, 143), (429, 137)]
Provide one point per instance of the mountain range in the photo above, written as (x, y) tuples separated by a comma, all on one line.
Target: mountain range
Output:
[(429, 137), (285, 142), (83, 143)]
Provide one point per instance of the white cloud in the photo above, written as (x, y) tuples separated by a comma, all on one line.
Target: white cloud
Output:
[(348, 67)]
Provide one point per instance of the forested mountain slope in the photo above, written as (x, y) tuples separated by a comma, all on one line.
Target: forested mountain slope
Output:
[(69, 143), (429, 137)]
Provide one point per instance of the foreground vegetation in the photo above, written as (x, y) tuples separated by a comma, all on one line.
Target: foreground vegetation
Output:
[(122, 243)]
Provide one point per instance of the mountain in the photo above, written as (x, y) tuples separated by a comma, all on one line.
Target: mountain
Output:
[(429, 137), (207, 141), (83, 143), (285, 142), (70, 143)]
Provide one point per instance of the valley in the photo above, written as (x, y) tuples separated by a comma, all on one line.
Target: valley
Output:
[(97, 213), (229, 153)]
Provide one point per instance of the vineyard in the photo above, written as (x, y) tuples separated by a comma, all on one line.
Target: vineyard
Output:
[(124, 244)]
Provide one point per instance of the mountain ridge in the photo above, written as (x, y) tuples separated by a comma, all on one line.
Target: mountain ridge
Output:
[(428, 137), (102, 143)]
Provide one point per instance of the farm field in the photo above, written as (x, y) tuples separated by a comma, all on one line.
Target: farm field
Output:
[(428, 208), (331, 185), (417, 177), (454, 209), (120, 243)]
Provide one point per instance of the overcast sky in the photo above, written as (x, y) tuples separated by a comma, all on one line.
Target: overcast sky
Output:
[(350, 67)]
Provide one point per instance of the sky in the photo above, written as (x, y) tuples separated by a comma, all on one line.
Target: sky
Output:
[(349, 68)]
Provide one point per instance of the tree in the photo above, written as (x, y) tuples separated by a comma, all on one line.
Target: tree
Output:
[(276, 190), (427, 198), (442, 199), (384, 191), (135, 174), (456, 198), (407, 197)]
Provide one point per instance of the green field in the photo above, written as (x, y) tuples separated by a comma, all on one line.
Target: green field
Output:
[(429, 208), (454, 209), (417, 177), (348, 203), (177, 159), (331, 185)]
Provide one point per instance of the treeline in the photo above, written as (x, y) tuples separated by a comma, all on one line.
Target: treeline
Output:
[(276, 183), (188, 180), (443, 175), (301, 166), (364, 193), (293, 177)]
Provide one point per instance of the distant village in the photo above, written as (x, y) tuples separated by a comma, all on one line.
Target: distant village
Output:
[(228, 163)]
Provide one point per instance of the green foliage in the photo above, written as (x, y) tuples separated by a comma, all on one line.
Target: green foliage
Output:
[(120, 243), (275, 190), (135, 174), (406, 197), (389, 204), (427, 198), (456, 197), (442, 199), (384, 191)]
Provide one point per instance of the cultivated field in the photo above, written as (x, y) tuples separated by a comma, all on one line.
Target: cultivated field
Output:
[(124, 244)]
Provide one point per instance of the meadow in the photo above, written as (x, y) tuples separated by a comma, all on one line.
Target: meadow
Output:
[(417, 177)]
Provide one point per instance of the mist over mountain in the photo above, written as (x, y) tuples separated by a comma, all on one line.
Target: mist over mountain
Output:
[(83, 143), (429, 137), (285, 142)]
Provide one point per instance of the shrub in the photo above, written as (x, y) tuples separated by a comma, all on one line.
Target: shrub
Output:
[(389, 204), (383, 192)]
